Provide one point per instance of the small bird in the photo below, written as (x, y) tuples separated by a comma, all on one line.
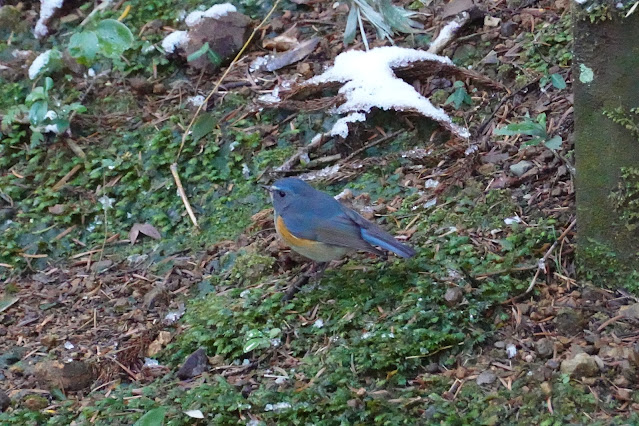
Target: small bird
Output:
[(319, 227)]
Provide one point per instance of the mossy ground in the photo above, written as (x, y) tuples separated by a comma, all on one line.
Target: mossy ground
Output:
[(355, 347)]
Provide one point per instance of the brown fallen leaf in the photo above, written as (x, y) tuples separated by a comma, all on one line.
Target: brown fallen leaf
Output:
[(280, 43), (58, 209), (280, 60), (144, 228)]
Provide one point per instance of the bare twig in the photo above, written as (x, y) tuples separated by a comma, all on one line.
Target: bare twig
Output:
[(370, 145), (316, 142), (182, 193), (542, 262)]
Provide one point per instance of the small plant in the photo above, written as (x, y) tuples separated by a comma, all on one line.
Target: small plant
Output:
[(42, 113), (256, 339), (109, 38), (556, 79), (459, 96), (628, 120), (535, 128), (210, 54), (382, 14)]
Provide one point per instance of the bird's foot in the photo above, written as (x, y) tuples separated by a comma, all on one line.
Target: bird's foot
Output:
[(314, 273)]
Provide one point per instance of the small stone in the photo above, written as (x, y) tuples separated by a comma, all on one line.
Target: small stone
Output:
[(35, 402), (582, 365), (500, 344), (569, 322), (460, 373), (518, 169), (453, 296), (101, 266), (5, 401), (432, 368), (544, 347), (508, 28), (553, 364), (630, 311), (49, 341), (155, 297), (72, 376), (195, 364), (486, 378)]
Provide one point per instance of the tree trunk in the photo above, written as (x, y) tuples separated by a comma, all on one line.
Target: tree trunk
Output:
[(606, 77)]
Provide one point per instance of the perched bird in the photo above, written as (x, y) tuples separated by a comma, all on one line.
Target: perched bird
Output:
[(319, 227)]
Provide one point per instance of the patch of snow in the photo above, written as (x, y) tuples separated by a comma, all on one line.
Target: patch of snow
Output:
[(214, 12), (151, 363), (246, 172), (173, 316), (68, 345), (195, 414), (512, 220), (430, 203), (280, 406), (271, 98), (471, 149), (324, 173), (445, 35), (340, 128), (196, 100), (431, 183), (39, 63), (511, 350), (369, 82), (106, 202), (276, 342), (319, 323), (47, 9), (366, 335), (258, 63), (51, 128), (177, 39)]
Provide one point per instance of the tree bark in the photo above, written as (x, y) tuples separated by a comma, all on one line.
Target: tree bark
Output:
[(605, 77)]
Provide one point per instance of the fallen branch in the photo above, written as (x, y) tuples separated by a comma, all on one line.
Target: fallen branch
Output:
[(182, 193)]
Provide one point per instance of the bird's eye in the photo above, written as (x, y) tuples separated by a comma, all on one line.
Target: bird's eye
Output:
[(281, 194)]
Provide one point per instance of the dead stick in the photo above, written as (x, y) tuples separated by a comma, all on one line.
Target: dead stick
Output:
[(316, 142), (185, 200), (542, 261), (370, 145)]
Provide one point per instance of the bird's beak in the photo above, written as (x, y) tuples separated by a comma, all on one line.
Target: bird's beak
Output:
[(268, 188)]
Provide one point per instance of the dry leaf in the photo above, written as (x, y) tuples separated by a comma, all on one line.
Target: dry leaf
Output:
[(144, 228)]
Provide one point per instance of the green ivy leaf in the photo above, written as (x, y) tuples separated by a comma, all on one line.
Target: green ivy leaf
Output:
[(254, 344), (554, 143), (155, 417), (203, 126), (198, 53), (38, 111), (84, 46), (558, 81), (114, 37)]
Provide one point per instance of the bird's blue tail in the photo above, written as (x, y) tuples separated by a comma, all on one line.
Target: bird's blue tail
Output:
[(387, 242)]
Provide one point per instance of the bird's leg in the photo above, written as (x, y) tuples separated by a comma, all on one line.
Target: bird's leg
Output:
[(315, 273), (318, 271)]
